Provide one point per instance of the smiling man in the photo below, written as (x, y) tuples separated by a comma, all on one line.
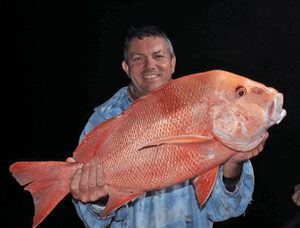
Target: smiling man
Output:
[(149, 61), (149, 64)]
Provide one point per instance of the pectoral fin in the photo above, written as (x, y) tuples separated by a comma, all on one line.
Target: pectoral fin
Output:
[(204, 184), (185, 139), (117, 199)]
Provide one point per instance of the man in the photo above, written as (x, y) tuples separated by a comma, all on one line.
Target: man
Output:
[(149, 63)]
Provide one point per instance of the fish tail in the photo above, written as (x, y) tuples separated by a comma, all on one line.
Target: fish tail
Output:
[(48, 184)]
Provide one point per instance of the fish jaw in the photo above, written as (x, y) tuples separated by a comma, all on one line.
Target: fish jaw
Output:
[(275, 113), (238, 144)]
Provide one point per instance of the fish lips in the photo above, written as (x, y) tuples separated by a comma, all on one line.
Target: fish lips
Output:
[(276, 113)]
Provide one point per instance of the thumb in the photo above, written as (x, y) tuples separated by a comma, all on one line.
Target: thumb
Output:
[(70, 159)]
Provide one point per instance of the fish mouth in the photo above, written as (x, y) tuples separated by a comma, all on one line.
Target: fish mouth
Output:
[(275, 113)]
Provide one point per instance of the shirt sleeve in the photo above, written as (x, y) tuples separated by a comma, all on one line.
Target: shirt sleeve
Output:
[(94, 120), (90, 213), (223, 204)]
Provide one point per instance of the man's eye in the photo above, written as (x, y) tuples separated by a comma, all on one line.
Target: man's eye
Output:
[(137, 59), (159, 56)]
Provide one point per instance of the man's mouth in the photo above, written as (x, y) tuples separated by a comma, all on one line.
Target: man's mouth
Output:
[(150, 76)]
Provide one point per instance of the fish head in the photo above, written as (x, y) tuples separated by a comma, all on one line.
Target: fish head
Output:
[(243, 110)]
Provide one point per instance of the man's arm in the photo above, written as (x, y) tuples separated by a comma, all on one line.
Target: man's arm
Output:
[(234, 186), (224, 204)]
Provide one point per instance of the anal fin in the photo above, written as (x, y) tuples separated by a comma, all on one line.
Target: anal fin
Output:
[(117, 199), (204, 184)]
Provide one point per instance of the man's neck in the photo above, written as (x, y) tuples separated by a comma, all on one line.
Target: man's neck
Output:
[(134, 93)]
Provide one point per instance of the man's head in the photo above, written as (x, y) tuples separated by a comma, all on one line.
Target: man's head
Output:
[(149, 59), (146, 31)]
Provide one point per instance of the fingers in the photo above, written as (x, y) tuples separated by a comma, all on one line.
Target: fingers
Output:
[(103, 189), (244, 156), (92, 184), (296, 195), (254, 152), (100, 176), (74, 185), (70, 159), (88, 183), (260, 147), (83, 184), (266, 136)]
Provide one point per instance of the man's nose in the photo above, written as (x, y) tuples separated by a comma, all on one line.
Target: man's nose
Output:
[(150, 63)]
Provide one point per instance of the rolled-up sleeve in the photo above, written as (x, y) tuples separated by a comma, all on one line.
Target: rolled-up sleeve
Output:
[(223, 204), (90, 214)]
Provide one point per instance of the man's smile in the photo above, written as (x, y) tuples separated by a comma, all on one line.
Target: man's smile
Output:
[(152, 76)]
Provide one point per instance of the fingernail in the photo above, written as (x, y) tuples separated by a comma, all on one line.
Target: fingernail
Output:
[(87, 165), (79, 171)]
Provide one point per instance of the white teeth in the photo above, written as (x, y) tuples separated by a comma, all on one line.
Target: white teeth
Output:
[(150, 76)]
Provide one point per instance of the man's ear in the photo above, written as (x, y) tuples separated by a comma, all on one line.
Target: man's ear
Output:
[(125, 67), (173, 61)]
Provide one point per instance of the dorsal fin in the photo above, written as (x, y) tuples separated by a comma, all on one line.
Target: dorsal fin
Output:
[(94, 139)]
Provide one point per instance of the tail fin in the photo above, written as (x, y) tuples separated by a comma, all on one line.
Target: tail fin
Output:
[(48, 184)]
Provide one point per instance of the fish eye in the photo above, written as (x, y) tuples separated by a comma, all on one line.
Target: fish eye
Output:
[(241, 91)]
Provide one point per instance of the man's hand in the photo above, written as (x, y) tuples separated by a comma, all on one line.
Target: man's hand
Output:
[(88, 183), (234, 166), (296, 195)]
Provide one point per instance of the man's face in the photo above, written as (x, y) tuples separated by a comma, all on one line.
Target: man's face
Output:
[(149, 64)]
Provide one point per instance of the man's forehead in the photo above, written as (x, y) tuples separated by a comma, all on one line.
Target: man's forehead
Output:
[(147, 44)]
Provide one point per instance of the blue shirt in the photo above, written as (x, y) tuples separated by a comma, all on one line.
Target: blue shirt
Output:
[(173, 207)]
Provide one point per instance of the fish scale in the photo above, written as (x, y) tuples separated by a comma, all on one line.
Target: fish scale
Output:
[(183, 130)]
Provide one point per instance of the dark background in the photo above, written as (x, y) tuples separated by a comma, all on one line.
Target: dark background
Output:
[(61, 59)]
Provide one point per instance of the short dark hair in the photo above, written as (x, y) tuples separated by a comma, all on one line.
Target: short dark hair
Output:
[(146, 31)]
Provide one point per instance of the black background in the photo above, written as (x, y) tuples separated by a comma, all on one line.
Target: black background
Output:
[(61, 59)]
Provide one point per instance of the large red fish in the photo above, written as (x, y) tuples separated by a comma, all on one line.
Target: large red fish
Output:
[(184, 130)]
